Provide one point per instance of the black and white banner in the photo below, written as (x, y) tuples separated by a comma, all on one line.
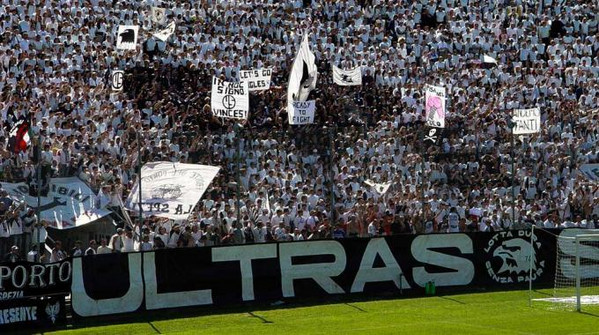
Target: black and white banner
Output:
[(117, 77), (69, 202), (258, 80), (303, 76), (126, 37), (526, 121), (170, 278), (32, 313), (165, 33), (25, 280), (302, 112), (158, 15), (169, 189), (229, 99), (351, 77)]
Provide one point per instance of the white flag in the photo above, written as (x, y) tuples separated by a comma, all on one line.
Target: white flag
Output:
[(434, 107), (126, 37), (381, 189), (158, 15), (351, 77), (489, 59), (116, 82), (303, 112), (165, 33), (229, 99), (303, 76), (258, 80), (526, 121)]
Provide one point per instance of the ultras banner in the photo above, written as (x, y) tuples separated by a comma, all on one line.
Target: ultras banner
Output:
[(119, 283)]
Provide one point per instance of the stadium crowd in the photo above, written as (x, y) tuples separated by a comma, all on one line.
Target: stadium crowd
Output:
[(55, 64)]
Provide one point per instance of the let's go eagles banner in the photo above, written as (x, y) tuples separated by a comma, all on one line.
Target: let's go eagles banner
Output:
[(258, 80), (229, 99), (169, 189)]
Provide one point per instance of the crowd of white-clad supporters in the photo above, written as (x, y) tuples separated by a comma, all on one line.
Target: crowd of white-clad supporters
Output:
[(56, 56)]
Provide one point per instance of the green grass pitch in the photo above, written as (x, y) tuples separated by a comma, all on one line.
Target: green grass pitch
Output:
[(478, 313)]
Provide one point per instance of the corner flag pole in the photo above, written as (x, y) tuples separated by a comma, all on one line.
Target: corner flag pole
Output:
[(532, 252)]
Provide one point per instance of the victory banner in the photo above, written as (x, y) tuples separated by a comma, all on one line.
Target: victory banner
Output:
[(351, 77), (526, 121), (302, 79), (69, 202), (302, 112), (229, 99), (258, 80), (434, 107), (126, 37), (169, 189)]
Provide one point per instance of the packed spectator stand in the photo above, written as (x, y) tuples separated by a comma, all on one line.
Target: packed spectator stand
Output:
[(307, 182)]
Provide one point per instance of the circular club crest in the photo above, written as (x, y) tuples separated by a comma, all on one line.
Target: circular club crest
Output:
[(508, 257), (117, 80), (229, 102)]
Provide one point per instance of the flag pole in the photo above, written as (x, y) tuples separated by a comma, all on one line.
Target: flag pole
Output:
[(139, 176), (39, 199)]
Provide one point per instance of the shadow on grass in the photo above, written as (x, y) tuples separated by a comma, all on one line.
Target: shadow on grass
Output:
[(452, 299), (259, 317)]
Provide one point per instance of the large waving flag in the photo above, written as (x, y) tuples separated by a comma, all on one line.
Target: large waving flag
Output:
[(303, 75)]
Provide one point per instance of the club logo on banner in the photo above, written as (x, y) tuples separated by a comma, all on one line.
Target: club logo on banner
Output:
[(302, 79), (116, 82), (69, 202), (165, 33), (526, 121), (258, 80), (351, 77), (158, 15), (169, 189), (229, 99), (126, 37), (303, 112), (509, 257), (434, 107)]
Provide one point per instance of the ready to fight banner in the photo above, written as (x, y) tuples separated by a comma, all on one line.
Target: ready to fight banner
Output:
[(169, 278)]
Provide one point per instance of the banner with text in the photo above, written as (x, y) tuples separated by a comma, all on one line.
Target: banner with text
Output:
[(258, 80), (33, 313), (25, 280), (303, 112), (434, 106), (229, 99), (526, 121), (68, 203), (170, 189), (171, 278), (303, 76)]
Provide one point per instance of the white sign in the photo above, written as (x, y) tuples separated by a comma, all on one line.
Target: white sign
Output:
[(526, 121), (126, 37), (591, 171), (351, 77), (303, 112), (116, 82), (381, 189), (169, 189), (258, 80), (158, 15), (303, 76), (165, 33), (68, 204), (229, 99), (434, 107)]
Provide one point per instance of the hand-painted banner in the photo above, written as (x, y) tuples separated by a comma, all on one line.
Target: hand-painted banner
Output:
[(303, 112), (435, 106), (126, 37), (116, 82), (526, 121), (69, 202), (302, 79), (229, 99), (165, 33), (170, 189), (258, 80), (351, 77)]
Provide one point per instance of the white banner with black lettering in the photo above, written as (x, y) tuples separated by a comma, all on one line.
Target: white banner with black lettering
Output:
[(116, 82), (526, 121), (303, 76), (258, 80), (126, 37), (302, 112), (591, 171), (229, 99), (434, 107), (169, 189), (69, 202), (351, 77)]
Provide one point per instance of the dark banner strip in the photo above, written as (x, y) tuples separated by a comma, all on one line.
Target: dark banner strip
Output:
[(32, 313), (24, 280)]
